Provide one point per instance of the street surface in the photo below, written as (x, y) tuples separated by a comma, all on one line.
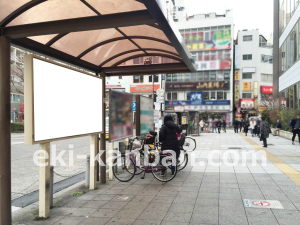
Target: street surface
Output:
[(206, 193)]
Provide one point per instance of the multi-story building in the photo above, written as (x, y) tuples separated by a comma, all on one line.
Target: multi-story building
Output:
[(253, 73), (209, 37), (287, 36)]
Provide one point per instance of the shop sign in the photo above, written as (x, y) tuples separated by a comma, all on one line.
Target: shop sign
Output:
[(237, 75), (255, 91), (246, 86), (207, 107), (143, 88), (267, 89), (206, 85), (179, 108), (262, 108), (255, 103), (215, 102), (196, 98), (220, 39), (236, 97), (213, 65), (247, 103), (169, 108)]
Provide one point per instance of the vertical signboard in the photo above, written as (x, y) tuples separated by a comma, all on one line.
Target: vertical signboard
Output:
[(120, 115), (146, 115), (255, 91)]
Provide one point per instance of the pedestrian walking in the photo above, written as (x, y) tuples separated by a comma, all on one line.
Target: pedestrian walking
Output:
[(213, 125), (219, 125), (295, 124), (257, 130), (241, 125), (252, 126), (201, 125), (236, 125), (264, 131), (224, 126), (278, 128), (246, 126)]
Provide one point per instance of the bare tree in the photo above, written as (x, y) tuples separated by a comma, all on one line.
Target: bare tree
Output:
[(270, 102)]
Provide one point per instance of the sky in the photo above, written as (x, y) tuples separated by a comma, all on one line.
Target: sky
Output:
[(247, 14)]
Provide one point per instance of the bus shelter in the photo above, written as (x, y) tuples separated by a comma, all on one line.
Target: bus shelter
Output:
[(95, 35)]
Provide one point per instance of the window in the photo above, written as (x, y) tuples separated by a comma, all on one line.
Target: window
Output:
[(174, 77), (247, 57), (120, 77), (155, 78), (138, 79), (247, 38), (15, 98), (212, 75), (206, 95), (188, 95), (138, 60), (207, 36), (220, 75), (206, 75), (220, 95), (213, 95), (169, 77), (247, 75), (247, 95), (266, 58), (226, 75), (172, 95), (267, 78)]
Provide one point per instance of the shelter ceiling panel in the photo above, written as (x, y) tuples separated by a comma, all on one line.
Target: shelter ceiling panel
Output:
[(104, 52), (116, 6), (9, 6), (143, 43), (53, 10), (119, 58), (165, 53), (144, 30), (77, 42), (43, 39)]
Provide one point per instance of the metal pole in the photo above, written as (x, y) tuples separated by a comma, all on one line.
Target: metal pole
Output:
[(51, 185), (138, 115), (87, 172), (5, 149), (153, 99), (102, 136), (276, 56), (97, 162)]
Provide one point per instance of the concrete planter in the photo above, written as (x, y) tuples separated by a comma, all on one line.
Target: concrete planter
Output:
[(285, 134)]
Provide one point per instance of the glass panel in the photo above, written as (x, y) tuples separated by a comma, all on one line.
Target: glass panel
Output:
[(220, 95), (104, 52), (212, 75), (143, 43), (7, 7), (174, 95), (206, 95), (130, 62), (53, 10), (43, 39), (144, 30), (213, 95), (116, 6), (169, 96), (69, 43), (206, 75), (220, 75)]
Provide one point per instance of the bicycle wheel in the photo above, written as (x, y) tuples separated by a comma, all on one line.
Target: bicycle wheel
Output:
[(164, 171), (123, 170), (189, 144), (182, 160)]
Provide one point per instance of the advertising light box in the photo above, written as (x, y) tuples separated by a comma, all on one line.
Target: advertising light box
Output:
[(120, 115), (60, 102), (147, 115)]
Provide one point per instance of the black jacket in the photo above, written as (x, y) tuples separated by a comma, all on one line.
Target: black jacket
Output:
[(218, 124), (246, 124), (224, 124), (294, 121), (236, 123), (278, 125), (242, 123), (168, 137)]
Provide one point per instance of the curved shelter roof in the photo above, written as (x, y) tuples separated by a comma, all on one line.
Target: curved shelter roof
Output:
[(97, 35)]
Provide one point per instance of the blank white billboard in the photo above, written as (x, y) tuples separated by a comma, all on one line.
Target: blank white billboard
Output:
[(66, 102)]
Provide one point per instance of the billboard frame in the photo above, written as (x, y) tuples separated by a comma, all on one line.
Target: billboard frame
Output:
[(138, 114), (109, 115), (29, 101)]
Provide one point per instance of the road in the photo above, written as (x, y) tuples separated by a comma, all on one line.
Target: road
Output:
[(25, 172)]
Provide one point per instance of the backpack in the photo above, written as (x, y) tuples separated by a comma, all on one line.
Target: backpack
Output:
[(290, 124)]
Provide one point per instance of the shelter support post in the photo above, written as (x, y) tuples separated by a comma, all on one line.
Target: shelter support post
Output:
[(93, 153), (5, 149), (102, 136), (110, 158), (44, 180), (138, 115)]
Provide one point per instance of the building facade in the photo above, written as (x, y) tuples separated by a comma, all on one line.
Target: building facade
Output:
[(288, 14), (208, 93), (253, 73)]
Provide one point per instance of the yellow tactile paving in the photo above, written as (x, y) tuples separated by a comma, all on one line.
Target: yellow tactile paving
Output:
[(293, 174), (287, 156)]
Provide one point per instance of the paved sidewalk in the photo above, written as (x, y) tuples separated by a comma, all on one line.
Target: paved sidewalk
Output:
[(205, 193)]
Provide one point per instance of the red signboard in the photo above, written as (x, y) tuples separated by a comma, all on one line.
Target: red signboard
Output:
[(267, 89), (143, 88)]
